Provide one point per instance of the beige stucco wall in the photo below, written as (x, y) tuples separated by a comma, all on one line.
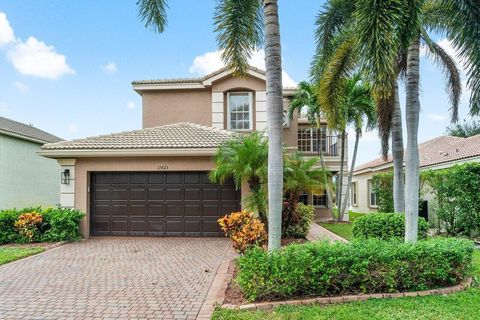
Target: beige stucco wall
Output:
[(84, 166), (172, 106), (362, 191)]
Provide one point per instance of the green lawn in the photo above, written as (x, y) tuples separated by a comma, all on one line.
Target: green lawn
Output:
[(462, 305), (11, 254), (354, 215), (344, 230)]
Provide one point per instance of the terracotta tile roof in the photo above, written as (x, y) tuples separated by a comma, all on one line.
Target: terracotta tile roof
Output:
[(9, 126), (183, 135), (439, 150)]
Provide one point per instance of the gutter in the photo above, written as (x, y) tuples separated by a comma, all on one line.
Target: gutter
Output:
[(79, 153)]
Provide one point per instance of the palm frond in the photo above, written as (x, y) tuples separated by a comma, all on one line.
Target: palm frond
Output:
[(452, 75), (153, 14), (239, 28), (464, 31)]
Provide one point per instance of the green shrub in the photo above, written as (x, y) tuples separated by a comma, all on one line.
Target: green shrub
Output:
[(383, 186), (61, 224), (457, 197), (300, 229), (58, 224), (385, 226), (368, 266)]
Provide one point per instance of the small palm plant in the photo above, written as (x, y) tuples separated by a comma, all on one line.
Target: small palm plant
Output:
[(244, 159)]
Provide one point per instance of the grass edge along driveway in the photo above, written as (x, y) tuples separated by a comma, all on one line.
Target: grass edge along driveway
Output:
[(462, 305), (9, 254)]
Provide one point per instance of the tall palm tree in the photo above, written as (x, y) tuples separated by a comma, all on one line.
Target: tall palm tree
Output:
[(379, 31), (305, 99), (360, 109), (242, 27), (244, 159)]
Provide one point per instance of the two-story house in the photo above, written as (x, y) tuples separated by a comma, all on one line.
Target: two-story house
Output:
[(153, 181)]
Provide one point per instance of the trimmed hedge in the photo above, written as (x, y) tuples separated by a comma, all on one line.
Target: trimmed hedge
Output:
[(59, 224), (385, 226), (369, 266)]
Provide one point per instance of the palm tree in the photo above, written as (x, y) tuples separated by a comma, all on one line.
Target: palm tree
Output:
[(305, 99), (375, 32), (240, 27), (359, 106), (244, 159), (301, 175)]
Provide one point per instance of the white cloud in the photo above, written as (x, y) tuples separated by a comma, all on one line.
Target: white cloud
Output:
[(35, 58), (6, 31), (212, 61), (130, 105), (110, 67), (20, 86), (72, 128), (437, 117)]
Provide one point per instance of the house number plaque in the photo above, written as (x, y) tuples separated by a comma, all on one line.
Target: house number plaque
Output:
[(162, 167)]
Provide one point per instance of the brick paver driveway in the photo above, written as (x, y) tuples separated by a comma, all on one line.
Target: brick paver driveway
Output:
[(126, 278)]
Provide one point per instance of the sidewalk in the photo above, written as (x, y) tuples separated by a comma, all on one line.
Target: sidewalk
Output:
[(317, 232)]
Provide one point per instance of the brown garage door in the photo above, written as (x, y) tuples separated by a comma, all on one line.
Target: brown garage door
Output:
[(158, 204)]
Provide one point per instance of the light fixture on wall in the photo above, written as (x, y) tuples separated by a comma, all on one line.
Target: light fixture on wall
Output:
[(65, 176)]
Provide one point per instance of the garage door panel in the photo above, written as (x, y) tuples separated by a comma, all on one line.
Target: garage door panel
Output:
[(174, 194), (210, 194), (138, 178), (159, 204), (138, 194)]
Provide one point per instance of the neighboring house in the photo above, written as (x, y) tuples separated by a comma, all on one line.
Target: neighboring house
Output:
[(154, 181), (438, 153), (26, 179)]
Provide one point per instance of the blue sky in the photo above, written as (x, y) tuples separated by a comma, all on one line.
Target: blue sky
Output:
[(94, 49)]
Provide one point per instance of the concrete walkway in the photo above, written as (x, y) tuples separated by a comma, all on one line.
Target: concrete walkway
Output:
[(317, 232)]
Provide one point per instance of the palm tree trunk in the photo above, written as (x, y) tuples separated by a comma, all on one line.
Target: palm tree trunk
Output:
[(325, 178), (412, 157), (350, 175), (340, 181), (273, 66), (397, 154)]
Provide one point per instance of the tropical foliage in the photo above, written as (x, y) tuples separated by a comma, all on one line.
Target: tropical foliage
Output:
[(382, 38), (385, 226), (39, 225), (244, 159), (457, 198), (299, 221), (465, 129), (368, 266), (244, 229)]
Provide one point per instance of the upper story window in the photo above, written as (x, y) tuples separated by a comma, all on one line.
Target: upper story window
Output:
[(312, 139), (240, 106)]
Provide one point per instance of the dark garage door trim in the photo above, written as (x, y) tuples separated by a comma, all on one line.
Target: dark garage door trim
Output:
[(170, 203)]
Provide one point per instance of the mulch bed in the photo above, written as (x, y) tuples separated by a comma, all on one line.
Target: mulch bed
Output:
[(44, 245), (233, 294)]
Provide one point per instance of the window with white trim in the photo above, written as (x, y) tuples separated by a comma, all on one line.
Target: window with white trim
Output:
[(312, 139), (372, 195), (240, 105), (354, 193)]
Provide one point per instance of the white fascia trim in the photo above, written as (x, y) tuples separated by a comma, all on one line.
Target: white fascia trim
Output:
[(126, 153), (449, 164), (209, 81), (374, 169), (165, 86)]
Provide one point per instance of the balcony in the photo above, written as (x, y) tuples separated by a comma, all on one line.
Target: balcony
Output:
[(312, 143)]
